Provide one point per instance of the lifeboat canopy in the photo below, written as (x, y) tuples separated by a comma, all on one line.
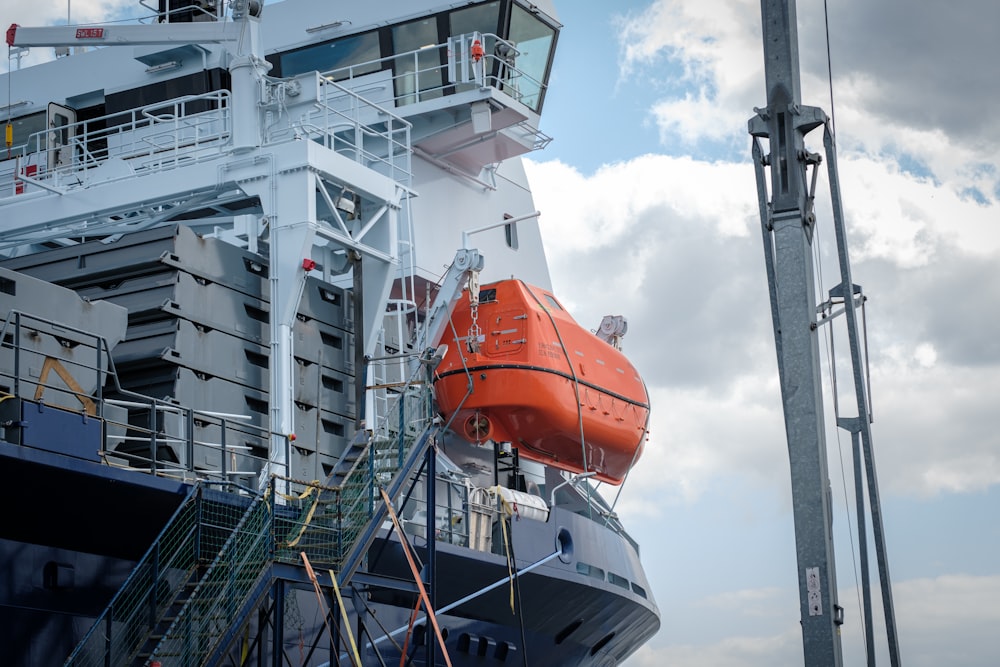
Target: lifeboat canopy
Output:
[(542, 382)]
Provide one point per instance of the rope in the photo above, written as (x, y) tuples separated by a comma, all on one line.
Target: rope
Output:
[(576, 388), (509, 511), (416, 574), (409, 629), (508, 554), (319, 594)]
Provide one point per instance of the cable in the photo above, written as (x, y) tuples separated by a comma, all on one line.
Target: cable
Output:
[(828, 344), (829, 69)]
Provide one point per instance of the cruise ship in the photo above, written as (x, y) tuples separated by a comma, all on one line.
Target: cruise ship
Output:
[(283, 378)]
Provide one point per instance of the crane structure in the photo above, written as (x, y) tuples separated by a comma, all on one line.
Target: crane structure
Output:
[(788, 225)]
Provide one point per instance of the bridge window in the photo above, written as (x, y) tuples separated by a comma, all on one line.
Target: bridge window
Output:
[(418, 68), (198, 83), (359, 53), (415, 52), (484, 19), (478, 18), (534, 41)]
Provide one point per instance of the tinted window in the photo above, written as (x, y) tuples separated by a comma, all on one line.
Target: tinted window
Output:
[(340, 53), (418, 74), (533, 39), (24, 127), (161, 91), (479, 18)]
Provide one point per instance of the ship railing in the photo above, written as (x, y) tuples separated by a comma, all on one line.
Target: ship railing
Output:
[(162, 438), (329, 519), (351, 125), (148, 139), (235, 565), (199, 577), (433, 72), (34, 349), (581, 497), (455, 513), (50, 362), (197, 532)]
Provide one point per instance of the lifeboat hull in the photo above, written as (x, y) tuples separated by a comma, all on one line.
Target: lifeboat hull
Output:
[(542, 382)]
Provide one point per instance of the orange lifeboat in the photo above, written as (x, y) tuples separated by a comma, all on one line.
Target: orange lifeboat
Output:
[(542, 382)]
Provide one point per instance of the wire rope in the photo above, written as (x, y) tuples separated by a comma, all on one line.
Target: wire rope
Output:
[(830, 349), (829, 69)]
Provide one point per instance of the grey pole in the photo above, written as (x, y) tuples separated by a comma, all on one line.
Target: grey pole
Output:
[(788, 227)]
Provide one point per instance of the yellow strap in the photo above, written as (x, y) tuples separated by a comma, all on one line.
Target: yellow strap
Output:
[(305, 524), (508, 509), (302, 496), (52, 364), (322, 603), (245, 646), (510, 569), (343, 614)]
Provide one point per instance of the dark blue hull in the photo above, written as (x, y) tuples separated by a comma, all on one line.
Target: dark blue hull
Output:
[(79, 527)]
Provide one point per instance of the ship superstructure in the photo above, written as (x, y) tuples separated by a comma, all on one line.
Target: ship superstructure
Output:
[(243, 215)]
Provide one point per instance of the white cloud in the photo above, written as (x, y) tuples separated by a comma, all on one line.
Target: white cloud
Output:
[(673, 244), (31, 14), (948, 620), (752, 602), (783, 649), (919, 105)]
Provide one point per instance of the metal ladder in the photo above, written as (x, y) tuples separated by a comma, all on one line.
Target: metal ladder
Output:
[(193, 590)]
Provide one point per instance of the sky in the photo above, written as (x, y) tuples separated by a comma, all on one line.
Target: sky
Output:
[(649, 210)]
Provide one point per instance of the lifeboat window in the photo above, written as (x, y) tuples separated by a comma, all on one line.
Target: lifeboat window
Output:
[(351, 56), (552, 302), (488, 295)]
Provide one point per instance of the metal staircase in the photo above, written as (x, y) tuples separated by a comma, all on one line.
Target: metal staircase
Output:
[(212, 564)]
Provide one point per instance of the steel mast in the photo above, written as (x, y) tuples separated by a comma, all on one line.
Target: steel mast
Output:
[(788, 225)]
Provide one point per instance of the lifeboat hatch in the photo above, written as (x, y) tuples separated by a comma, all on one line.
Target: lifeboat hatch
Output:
[(506, 334)]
